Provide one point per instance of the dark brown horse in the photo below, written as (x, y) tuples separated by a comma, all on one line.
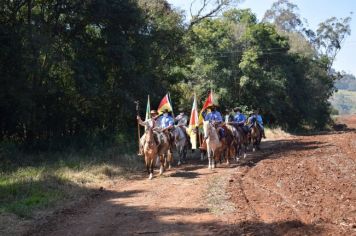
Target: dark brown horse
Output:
[(242, 141), (255, 135), (229, 147)]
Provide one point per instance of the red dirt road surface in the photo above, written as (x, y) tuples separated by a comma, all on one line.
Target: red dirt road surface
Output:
[(299, 185)]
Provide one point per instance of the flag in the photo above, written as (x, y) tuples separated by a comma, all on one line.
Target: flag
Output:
[(165, 104), (193, 123), (148, 110), (209, 102)]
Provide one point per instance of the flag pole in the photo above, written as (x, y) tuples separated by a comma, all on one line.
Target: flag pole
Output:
[(138, 125), (170, 101)]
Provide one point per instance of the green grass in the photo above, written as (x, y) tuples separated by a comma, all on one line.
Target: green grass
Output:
[(344, 101), (28, 187)]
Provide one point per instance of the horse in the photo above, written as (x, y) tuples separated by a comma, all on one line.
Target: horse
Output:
[(242, 142), (156, 146), (213, 144), (229, 143), (181, 143), (150, 150), (255, 135), (164, 150)]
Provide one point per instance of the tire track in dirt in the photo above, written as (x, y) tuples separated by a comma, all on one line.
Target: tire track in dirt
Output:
[(281, 190)]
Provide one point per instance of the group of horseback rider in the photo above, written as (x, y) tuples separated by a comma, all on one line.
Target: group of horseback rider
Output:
[(165, 122)]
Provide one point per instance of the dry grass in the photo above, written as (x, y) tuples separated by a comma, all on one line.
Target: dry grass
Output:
[(217, 197), (31, 192), (276, 133)]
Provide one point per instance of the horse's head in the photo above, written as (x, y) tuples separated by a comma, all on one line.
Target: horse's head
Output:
[(149, 138), (206, 127)]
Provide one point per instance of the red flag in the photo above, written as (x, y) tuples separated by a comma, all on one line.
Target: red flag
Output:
[(209, 102), (165, 104)]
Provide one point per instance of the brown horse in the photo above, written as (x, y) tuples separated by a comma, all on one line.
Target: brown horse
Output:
[(242, 140), (164, 150), (150, 150), (255, 135), (229, 142)]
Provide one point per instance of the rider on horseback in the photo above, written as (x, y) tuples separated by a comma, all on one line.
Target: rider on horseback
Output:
[(182, 118), (150, 123), (166, 121), (258, 118), (182, 121), (214, 117), (240, 119)]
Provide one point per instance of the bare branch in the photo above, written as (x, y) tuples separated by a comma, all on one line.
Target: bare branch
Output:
[(219, 6)]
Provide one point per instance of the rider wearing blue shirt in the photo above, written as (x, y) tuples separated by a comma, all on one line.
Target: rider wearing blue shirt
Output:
[(214, 115), (166, 121), (239, 118), (259, 120)]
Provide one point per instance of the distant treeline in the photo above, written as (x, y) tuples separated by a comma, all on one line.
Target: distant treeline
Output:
[(347, 82), (71, 70)]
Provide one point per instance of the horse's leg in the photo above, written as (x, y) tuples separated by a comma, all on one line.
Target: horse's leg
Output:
[(208, 153), (161, 159), (170, 158), (180, 152), (238, 152), (202, 154), (245, 150), (227, 155), (185, 149), (213, 157), (150, 167), (147, 165), (253, 144)]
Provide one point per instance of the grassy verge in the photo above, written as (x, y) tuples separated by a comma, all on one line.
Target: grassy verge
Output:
[(276, 133), (26, 189)]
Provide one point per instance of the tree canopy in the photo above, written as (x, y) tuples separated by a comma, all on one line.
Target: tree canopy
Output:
[(70, 71)]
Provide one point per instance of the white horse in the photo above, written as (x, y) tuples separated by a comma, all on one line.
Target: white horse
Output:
[(212, 142), (180, 142)]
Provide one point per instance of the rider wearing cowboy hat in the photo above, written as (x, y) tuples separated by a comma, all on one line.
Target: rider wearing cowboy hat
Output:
[(166, 121), (259, 120), (150, 123), (213, 115), (181, 119)]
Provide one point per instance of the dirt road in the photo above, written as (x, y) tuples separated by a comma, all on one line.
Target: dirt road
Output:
[(300, 185)]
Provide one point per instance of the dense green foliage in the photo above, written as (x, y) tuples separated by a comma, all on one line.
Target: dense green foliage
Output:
[(70, 71)]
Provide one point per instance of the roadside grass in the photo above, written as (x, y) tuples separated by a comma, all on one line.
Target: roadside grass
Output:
[(32, 186), (276, 133)]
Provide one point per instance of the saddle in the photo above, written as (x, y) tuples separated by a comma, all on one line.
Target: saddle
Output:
[(160, 137)]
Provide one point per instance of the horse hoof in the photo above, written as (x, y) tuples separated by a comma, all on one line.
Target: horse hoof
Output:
[(245, 155), (254, 149), (169, 167), (161, 171), (151, 176), (179, 163)]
